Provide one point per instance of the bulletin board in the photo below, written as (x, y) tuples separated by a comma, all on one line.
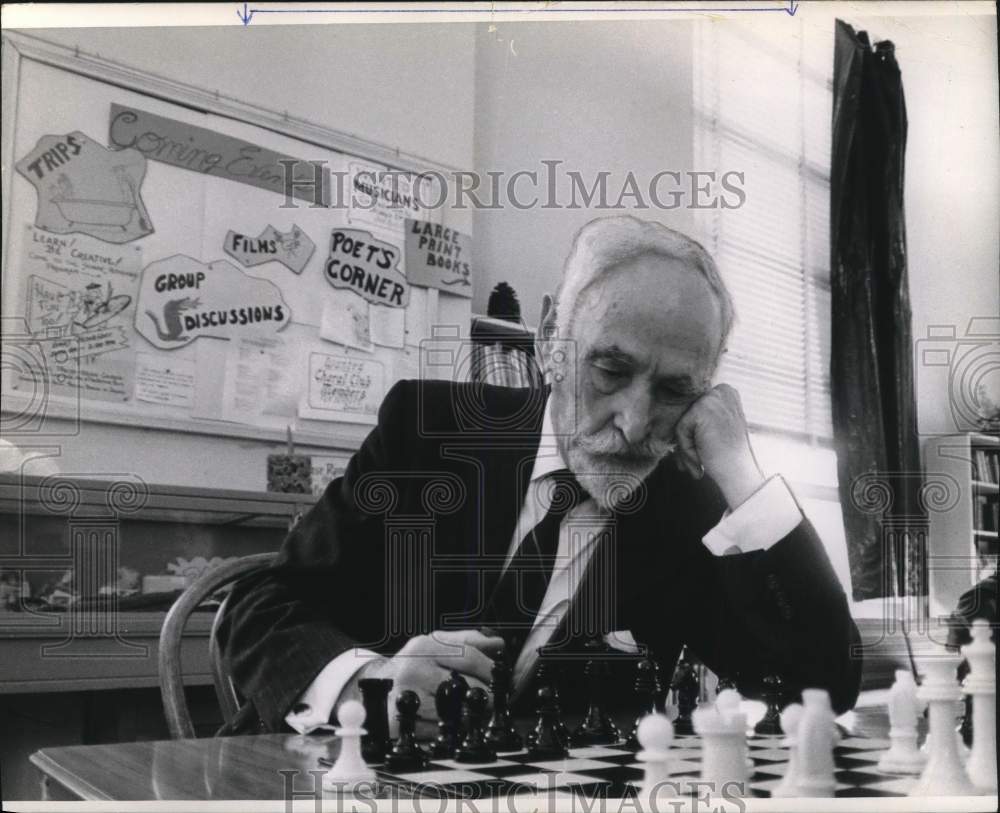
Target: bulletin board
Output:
[(157, 274)]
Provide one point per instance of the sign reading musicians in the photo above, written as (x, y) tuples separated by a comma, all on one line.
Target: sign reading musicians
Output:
[(438, 257), (367, 266)]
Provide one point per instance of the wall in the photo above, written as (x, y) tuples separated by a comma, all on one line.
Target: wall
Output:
[(952, 191), (381, 83), (599, 96)]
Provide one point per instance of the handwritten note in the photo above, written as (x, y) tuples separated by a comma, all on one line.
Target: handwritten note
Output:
[(388, 325), (342, 388), (345, 320)]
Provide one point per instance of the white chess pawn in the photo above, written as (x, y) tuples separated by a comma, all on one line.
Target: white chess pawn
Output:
[(981, 683), (723, 751), (944, 774), (350, 769), (817, 735), (903, 755), (729, 702), (655, 734), (790, 719)]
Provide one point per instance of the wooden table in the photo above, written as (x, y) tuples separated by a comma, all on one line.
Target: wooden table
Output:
[(267, 766)]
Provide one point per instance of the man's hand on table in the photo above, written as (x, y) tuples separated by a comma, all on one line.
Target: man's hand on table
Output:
[(427, 660)]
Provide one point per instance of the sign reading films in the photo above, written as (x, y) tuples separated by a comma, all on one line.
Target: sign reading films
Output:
[(181, 299), (367, 266)]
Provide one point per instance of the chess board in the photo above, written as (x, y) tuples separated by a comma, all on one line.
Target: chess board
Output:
[(614, 772)]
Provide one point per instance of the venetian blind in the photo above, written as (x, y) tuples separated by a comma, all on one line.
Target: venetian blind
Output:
[(762, 108)]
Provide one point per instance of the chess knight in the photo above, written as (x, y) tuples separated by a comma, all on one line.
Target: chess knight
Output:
[(624, 495)]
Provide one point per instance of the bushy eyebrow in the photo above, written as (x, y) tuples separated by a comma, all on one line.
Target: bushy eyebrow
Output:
[(613, 353)]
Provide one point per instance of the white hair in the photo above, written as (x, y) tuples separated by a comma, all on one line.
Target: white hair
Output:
[(606, 242)]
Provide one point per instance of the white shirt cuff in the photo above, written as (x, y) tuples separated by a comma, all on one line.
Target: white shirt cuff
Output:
[(766, 517), (312, 711)]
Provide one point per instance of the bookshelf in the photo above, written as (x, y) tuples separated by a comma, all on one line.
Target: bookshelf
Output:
[(503, 353), (964, 533)]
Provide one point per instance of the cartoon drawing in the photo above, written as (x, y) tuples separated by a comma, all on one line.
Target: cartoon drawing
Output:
[(172, 318), (97, 307), (87, 188)]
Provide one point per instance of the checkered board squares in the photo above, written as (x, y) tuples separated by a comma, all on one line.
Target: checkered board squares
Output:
[(614, 772)]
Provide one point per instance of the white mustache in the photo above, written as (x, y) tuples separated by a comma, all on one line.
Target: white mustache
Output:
[(611, 443)]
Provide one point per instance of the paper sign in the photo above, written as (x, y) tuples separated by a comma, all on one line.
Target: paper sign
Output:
[(258, 379), (341, 388), (367, 266), (383, 197), (346, 321), (168, 382), (181, 299), (438, 257), (86, 188), (211, 153), (110, 380), (292, 249), (326, 468), (388, 325)]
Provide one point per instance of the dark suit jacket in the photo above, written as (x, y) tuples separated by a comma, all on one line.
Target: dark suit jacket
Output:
[(410, 539)]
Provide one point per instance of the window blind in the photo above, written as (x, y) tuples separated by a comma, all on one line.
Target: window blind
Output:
[(763, 99)]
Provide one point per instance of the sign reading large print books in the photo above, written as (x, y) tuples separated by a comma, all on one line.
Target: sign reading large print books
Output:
[(181, 299), (438, 257), (210, 153)]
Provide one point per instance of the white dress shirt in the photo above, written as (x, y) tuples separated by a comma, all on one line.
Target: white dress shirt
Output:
[(767, 516)]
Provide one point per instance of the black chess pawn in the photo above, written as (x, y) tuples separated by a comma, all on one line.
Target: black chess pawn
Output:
[(686, 686), (547, 676), (375, 744), (545, 741), (474, 748), (645, 693), (406, 755), (597, 727), (500, 733), (448, 702), (773, 694)]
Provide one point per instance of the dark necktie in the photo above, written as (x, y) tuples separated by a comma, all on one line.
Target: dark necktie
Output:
[(518, 594)]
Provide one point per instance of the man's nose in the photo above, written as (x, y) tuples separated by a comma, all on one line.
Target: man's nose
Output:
[(634, 416)]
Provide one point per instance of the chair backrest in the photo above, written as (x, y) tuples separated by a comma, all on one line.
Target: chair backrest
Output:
[(171, 674)]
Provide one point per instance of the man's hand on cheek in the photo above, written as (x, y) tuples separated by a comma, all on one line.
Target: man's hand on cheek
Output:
[(712, 439)]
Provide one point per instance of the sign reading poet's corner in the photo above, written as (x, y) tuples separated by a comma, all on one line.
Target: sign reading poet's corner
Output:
[(438, 257), (200, 150), (367, 266)]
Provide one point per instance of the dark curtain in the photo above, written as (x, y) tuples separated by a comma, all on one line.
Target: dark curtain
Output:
[(871, 369)]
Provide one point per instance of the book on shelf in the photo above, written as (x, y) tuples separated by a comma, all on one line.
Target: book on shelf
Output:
[(987, 466)]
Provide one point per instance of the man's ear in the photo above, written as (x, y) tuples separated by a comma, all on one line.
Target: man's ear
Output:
[(546, 330)]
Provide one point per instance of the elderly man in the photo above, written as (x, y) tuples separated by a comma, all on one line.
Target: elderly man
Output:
[(623, 496)]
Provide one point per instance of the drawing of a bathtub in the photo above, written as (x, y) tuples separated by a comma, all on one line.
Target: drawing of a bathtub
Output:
[(96, 212)]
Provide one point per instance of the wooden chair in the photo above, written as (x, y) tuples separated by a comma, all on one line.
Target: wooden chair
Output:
[(171, 675)]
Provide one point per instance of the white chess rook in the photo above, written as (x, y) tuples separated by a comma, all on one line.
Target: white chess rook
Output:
[(723, 751), (790, 719), (981, 684), (350, 769), (944, 774), (905, 708), (655, 734)]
